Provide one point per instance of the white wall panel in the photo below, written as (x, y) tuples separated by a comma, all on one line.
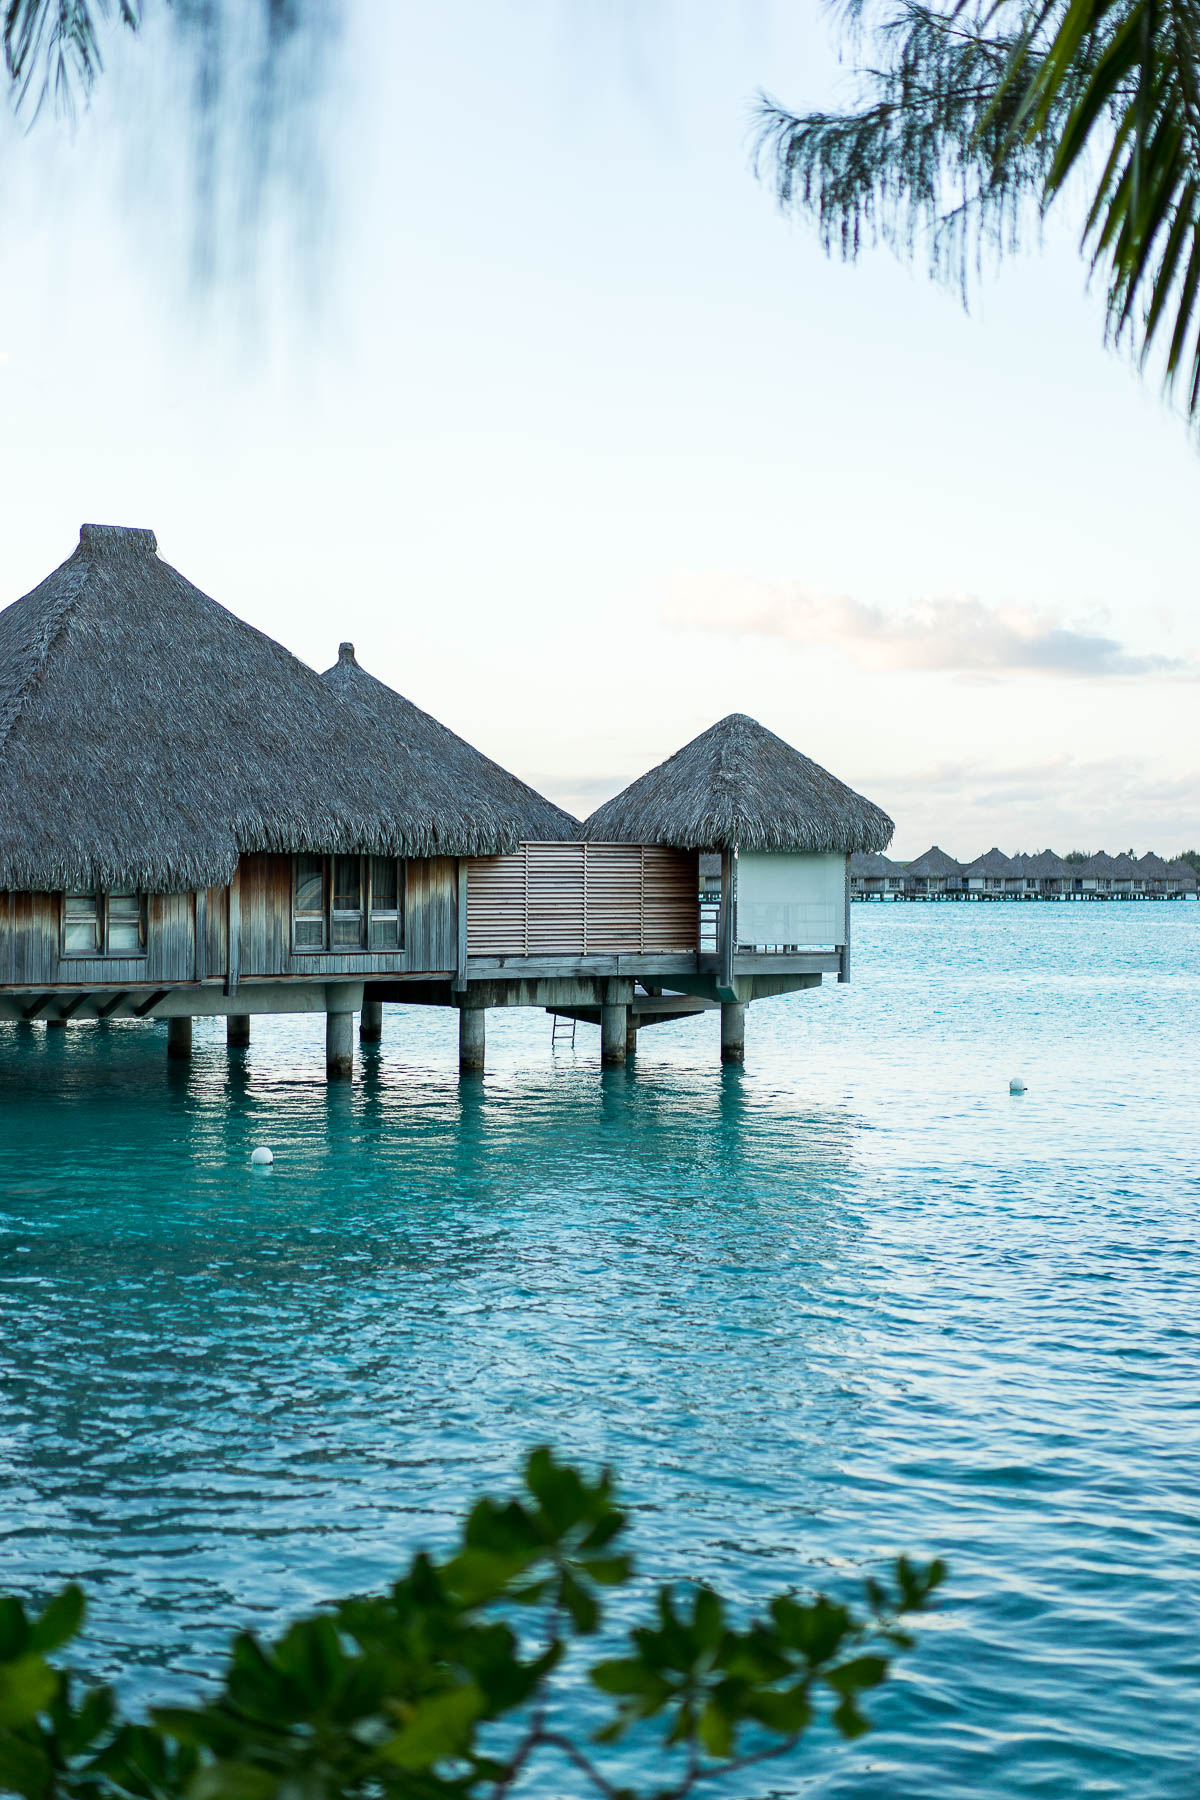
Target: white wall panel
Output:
[(785, 899)]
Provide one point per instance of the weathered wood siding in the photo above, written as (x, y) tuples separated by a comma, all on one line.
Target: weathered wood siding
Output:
[(29, 946), (187, 935), (583, 899), (265, 924)]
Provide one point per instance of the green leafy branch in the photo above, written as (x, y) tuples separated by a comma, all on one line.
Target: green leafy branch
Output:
[(52, 47), (441, 1687), (981, 115)]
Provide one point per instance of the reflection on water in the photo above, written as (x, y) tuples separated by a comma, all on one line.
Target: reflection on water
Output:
[(852, 1299)]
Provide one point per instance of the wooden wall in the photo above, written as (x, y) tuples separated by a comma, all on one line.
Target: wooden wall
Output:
[(187, 935), (571, 899), (265, 933), (29, 946), (580, 899)]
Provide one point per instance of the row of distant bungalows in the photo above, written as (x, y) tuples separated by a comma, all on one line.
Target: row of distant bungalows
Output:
[(994, 876)]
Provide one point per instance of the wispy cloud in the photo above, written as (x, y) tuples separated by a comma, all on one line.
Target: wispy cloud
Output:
[(961, 635), (968, 805)]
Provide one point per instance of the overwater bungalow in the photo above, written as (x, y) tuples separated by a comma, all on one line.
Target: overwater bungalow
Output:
[(874, 876), (1047, 876), (986, 878), (933, 874), (1181, 877), (195, 823), (1095, 876)]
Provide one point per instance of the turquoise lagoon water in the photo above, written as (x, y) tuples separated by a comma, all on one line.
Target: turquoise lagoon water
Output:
[(852, 1300)]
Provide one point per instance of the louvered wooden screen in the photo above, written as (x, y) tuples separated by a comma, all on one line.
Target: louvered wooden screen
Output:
[(582, 899)]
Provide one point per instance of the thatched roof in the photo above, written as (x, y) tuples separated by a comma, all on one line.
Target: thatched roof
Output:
[(934, 865), (1046, 866), (148, 737), (1123, 867), (1100, 865), (739, 787), (1151, 867), (992, 862), (1181, 871), (498, 802), (870, 865)]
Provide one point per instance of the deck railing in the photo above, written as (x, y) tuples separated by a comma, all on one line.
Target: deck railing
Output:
[(582, 900)]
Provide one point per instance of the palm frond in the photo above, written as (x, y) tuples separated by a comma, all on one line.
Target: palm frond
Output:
[(980, 118)]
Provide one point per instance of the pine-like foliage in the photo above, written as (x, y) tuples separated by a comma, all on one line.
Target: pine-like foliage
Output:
[(972, 121)]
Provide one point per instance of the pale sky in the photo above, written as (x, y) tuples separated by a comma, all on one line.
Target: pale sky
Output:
[(585, 447)]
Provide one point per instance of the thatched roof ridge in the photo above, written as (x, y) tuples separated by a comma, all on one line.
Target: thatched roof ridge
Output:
[(992, 862), (1101, 864), (148, 737), (495, 800), (1152, 867), (1046, 866), (738, 786), (934, 864), (1124, 867)]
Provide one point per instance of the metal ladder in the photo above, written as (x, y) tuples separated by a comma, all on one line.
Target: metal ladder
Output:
[(562, 1030)]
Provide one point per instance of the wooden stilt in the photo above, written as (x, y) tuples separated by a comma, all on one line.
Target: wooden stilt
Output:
[(733, 1031), (237, 1031), (370, 1022), (472, 1037), (613, 1026), (339, 1046), (179, 1039)]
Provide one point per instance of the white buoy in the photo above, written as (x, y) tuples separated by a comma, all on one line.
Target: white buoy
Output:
[(1016, 1085), (262, 1158)]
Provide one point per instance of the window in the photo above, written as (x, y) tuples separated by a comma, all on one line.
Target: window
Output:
[(104, 924), (347, 931), (348, 903), (308, 924), (387, 919)]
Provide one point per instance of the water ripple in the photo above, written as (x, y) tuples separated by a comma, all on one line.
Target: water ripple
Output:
[(854, 1300)]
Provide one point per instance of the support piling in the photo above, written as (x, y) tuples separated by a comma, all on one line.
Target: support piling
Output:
[(613, 1029), (733, 1031), (472, 1038), (339, 1046)]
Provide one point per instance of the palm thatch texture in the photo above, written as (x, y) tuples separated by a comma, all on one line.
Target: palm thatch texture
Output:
[(993, 862), (496, 799), (935, 865), (739, 787), (1100, 867), (868, 865), (1046, 868), (1152, 868), (148, 738)]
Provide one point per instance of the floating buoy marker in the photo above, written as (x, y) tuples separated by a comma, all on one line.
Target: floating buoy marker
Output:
[(1016, 1085), (262, 1158)]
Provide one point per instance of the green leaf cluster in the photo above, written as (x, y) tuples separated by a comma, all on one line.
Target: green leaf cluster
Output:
[(980, 115), (440, 1688)]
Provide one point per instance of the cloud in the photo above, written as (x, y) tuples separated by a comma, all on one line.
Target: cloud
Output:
[(968, 805), (959, 635)]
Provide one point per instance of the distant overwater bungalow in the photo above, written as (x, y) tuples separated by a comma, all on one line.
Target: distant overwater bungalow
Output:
[(1046, 876), (195, 823)]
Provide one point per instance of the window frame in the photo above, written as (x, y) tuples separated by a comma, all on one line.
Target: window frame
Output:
[(102, 949), (368, 915)]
